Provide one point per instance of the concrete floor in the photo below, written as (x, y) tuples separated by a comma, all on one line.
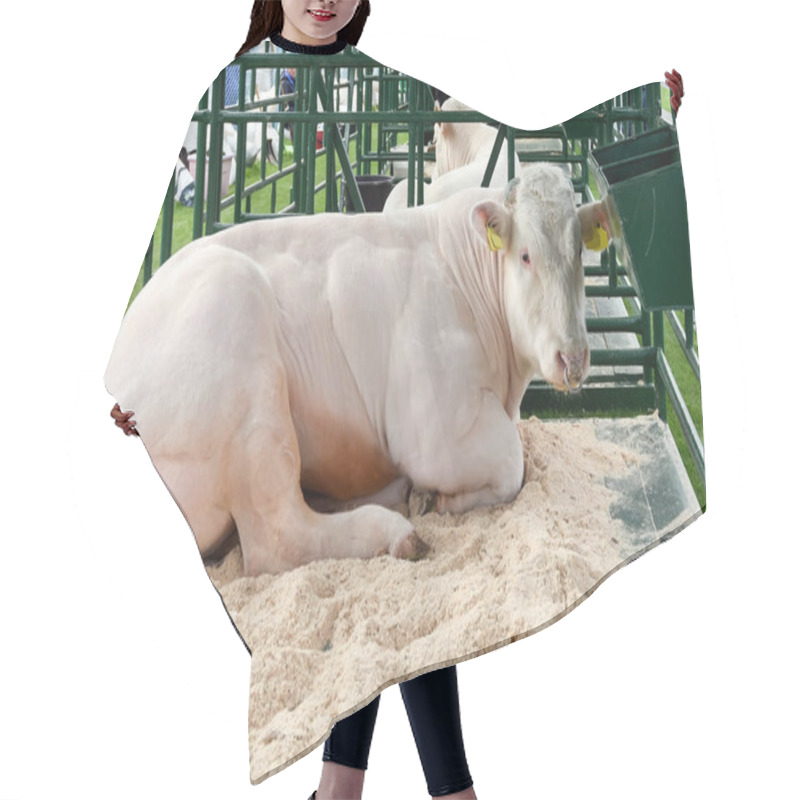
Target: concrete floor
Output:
[(657, 498)]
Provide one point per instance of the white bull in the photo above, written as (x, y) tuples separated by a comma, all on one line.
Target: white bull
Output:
[(462, 155), (353, 356)]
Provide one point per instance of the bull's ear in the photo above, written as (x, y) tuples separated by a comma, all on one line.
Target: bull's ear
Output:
[(492, 221), (595, 225), (437, 105)]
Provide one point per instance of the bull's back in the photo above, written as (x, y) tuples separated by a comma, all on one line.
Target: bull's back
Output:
[(325, 291), (187, 347)]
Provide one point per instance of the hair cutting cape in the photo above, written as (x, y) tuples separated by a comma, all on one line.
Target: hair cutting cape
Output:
[(283, 364)]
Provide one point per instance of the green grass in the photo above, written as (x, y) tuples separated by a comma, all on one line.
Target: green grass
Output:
[(690, 391), (665, 98)]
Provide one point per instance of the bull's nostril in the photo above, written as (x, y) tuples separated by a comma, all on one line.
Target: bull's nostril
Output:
[(575, 367), (573, 380)]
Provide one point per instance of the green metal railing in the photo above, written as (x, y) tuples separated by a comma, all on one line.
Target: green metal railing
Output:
[(365, 111)]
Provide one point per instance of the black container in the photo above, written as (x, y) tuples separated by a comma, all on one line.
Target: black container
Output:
[(374, 191)]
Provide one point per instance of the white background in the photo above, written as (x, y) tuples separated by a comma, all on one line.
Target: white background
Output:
[(120, 675)]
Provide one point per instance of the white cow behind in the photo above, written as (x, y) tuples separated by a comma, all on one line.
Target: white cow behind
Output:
[(257, 134), (351, 356), (462, 155)]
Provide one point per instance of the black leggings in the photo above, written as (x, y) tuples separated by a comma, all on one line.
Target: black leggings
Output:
[(432, 707)]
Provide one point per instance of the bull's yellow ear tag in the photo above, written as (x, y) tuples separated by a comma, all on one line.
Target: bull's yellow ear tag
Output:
[(494, 238), (598, 240)]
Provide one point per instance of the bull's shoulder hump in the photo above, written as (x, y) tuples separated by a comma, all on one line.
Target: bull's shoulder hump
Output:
[(322, 233)]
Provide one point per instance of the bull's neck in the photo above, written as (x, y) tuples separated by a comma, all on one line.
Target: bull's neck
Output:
[(478, 275), (470, 146)]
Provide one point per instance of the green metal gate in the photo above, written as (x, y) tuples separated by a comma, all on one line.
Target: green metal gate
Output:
[(366, 112)]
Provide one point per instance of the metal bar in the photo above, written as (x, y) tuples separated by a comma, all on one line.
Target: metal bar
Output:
[(331, 203), (605, 291), (658, 341), (331, 200), (378, 147), (613, 266), (647, 337), (287, 59), (256, 216), (682, 340), (147, 265), (348, 176), (543, 400), (311, 141), (298, 139), (359, 126), (386, 157), (348, 131), (688, 327), (600, 272), (241, 152), (494, 155), (368, 105), (412, 144), (215, 152), (624, 357), (420, 153), (167, 217), (692, 437), (281, 147), (279, 166), (631, 324), (619, 380), (510, 134), (397, 116), (654, 92), (198, 211), (270, 180)]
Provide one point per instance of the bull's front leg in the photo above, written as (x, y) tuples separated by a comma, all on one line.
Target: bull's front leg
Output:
[(478, 464), (498, 468)]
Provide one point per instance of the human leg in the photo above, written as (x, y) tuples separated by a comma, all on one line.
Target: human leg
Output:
[(346, 754), (433, 710)]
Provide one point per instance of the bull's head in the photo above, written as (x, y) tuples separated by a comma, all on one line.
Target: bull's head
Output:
[(539, 233)]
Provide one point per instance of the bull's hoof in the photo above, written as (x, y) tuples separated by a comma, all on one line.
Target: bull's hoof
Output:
[(421, 503), (410, 547)]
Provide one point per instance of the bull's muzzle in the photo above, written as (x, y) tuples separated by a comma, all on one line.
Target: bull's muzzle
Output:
[(573, 381), (575, 368)]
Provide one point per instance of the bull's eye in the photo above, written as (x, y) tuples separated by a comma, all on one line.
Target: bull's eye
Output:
[(526, 259)]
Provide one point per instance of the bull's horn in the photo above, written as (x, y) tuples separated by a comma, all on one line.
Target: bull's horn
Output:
[(510, 187)]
